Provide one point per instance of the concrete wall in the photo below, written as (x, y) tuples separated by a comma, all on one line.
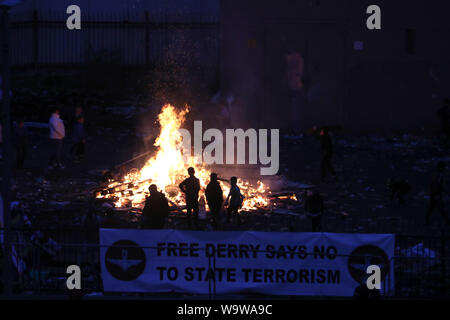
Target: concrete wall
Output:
[(381, 87)]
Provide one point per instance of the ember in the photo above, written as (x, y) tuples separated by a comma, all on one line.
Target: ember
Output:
[(167, 168)]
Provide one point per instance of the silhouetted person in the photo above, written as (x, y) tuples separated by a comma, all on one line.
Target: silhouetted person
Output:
[(156, 209), (190, 187), (76, 115), (234, 200), (21, 144), (214, 197), (398, 189), (436, 193), (327, 152), (314, 208), (79, 113), (78, 138), (444, 115)]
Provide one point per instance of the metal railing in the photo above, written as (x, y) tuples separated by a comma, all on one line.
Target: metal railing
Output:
[(42, 38), (421, 264)]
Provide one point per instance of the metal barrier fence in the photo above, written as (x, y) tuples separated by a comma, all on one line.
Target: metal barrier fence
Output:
[(421, 264), (42, 38)]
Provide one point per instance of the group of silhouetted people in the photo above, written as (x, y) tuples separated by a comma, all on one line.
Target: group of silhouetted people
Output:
[(156, 209), (57, 133), (398, 187)]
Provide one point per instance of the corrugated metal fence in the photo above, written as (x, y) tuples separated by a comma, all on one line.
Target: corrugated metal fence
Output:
[(39, 38)]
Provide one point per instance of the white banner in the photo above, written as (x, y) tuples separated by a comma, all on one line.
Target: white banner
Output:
[(276, 263)]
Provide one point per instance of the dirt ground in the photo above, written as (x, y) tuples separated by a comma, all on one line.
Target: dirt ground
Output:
[(121, 106), (56, 201), (358, 201)]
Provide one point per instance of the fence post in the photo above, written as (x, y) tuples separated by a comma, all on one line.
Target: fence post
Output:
[(5, 108), (443, 263), (214, 267), (209, 279), (35, 36), (147, 38), (39, 269)]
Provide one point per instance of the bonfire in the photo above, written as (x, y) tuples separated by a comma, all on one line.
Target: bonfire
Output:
[(168, 167)]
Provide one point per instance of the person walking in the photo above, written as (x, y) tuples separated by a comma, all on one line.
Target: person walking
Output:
[(327, 152)]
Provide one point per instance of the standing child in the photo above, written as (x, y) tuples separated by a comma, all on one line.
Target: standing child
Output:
[(236, 198)]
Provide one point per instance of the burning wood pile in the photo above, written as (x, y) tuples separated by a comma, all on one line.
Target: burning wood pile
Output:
[(168, 167)]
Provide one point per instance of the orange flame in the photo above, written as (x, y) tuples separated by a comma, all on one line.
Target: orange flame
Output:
[(167, 169)]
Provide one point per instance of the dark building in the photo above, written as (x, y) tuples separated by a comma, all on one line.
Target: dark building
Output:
[(299, 63)]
